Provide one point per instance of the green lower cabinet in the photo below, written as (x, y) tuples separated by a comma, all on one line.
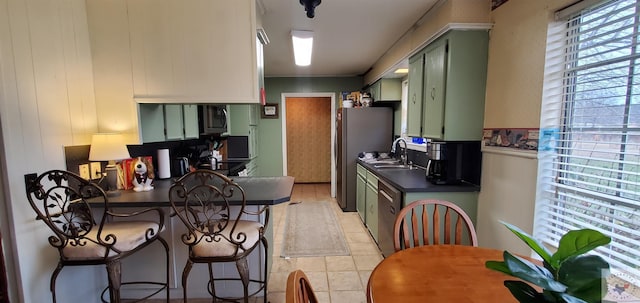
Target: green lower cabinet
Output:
[(361, 187), (372, 205)]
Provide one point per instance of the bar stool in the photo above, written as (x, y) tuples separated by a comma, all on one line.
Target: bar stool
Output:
[(60, 200), (219, 231)]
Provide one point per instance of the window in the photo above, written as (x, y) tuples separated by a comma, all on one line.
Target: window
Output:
[(589, 174)]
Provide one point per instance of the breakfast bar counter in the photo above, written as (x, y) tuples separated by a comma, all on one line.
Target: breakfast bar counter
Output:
[(258, 191)]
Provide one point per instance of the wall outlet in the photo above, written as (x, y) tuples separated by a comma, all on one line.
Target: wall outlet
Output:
[(29, 179), (96, 170), (84, 171)]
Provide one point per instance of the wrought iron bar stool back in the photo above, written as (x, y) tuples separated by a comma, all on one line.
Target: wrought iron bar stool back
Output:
[(61, 200), (220, 229)]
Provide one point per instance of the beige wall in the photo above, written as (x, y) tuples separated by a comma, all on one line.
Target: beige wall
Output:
[(514, 92)]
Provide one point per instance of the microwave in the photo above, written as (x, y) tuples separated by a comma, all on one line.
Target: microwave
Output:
[(212, 118)]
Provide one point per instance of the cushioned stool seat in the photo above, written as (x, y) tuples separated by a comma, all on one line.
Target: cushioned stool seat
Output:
[(215, 231), (61, 200)]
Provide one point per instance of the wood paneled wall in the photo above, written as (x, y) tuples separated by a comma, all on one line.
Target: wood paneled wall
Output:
[(46, 102)]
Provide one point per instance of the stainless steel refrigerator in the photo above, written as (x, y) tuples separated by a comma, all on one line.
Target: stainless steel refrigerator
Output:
[(368, 129)]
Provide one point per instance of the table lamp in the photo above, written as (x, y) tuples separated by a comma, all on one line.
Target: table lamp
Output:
[(109, 147)]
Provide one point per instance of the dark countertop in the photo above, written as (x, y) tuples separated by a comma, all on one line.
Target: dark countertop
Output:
[(414, 180), (258, 191)]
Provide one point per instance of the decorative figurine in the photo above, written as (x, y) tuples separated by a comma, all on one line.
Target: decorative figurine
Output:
[(142, 174)]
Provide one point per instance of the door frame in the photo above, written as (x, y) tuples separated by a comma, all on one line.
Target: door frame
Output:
[(283, 110)]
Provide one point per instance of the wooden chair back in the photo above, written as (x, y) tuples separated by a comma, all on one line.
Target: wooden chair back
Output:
[(433, 222), (299, 289)]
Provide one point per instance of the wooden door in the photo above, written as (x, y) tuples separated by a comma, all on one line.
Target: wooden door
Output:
[(309, 139)]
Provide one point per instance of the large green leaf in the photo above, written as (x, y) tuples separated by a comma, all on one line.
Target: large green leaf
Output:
[(532, 273), (571, 299), (577, 242), (524, 293), (498, 266), (585, 277), (530, 241)]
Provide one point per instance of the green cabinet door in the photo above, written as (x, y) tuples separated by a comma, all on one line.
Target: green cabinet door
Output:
[(241, 116), (173, 122), (253, 141), (416, 87), (361, 191), (372, 205), (434, 90), (465, 85), (374, 90), (190, 119), (151, 122), (387, 89)]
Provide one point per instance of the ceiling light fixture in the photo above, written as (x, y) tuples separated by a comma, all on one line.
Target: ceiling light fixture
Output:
[(310, 6), (302, 47), (402, 71)]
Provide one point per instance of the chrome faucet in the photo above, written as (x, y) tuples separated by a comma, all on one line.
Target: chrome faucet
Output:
[(404, 154)]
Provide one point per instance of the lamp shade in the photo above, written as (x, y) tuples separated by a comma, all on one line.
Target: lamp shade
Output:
[(108, 147)]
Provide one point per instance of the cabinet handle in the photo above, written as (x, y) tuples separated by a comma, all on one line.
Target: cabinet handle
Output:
[(433, 93), (413, 99)]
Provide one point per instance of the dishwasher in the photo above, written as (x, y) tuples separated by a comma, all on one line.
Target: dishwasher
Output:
[(389, 204)]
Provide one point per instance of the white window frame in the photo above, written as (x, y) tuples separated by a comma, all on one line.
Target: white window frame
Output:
[(574, 191)]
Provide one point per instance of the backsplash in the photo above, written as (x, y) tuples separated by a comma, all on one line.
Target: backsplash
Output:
[(192, 149)]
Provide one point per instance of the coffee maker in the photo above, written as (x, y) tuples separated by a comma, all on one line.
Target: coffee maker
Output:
[(453, 162)]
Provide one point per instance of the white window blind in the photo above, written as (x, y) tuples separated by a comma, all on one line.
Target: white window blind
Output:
[(589, 173)]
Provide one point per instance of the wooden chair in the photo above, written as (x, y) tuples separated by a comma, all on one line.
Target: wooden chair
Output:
[(219, 231), (60, 200), (299, 289), (419, 223)]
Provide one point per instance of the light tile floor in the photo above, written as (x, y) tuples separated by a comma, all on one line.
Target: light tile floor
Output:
[(335, 279)]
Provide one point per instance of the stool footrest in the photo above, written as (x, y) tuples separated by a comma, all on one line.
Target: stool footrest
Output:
[(162, 287)]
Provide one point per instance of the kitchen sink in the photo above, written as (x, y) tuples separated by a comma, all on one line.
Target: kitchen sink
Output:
[(392, 166), (384, 162)]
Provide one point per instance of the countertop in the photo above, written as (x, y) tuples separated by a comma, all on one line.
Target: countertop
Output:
[(258, 191), (414, 180)]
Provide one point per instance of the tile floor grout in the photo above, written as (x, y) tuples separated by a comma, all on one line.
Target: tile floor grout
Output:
[(335, 279)]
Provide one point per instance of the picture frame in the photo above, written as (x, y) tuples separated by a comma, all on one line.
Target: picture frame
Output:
[(270, 111)]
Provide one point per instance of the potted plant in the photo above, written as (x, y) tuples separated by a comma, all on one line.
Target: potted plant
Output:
[(568, 275)]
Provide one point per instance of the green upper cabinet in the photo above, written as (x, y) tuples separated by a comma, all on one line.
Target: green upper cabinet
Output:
[(241, 117), (151, 118), (434, 81), (166, 122), (386, 89), (416, 88), (190, 118), (173, 122), (452, 84), (193, 51)]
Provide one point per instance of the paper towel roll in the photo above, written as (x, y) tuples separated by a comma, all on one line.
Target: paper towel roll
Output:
[(164, 164)]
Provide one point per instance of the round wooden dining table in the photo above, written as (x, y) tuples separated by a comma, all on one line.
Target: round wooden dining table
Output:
[(439, 273)]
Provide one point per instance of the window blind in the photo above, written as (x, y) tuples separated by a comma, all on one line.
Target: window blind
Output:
[(589, 159)]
